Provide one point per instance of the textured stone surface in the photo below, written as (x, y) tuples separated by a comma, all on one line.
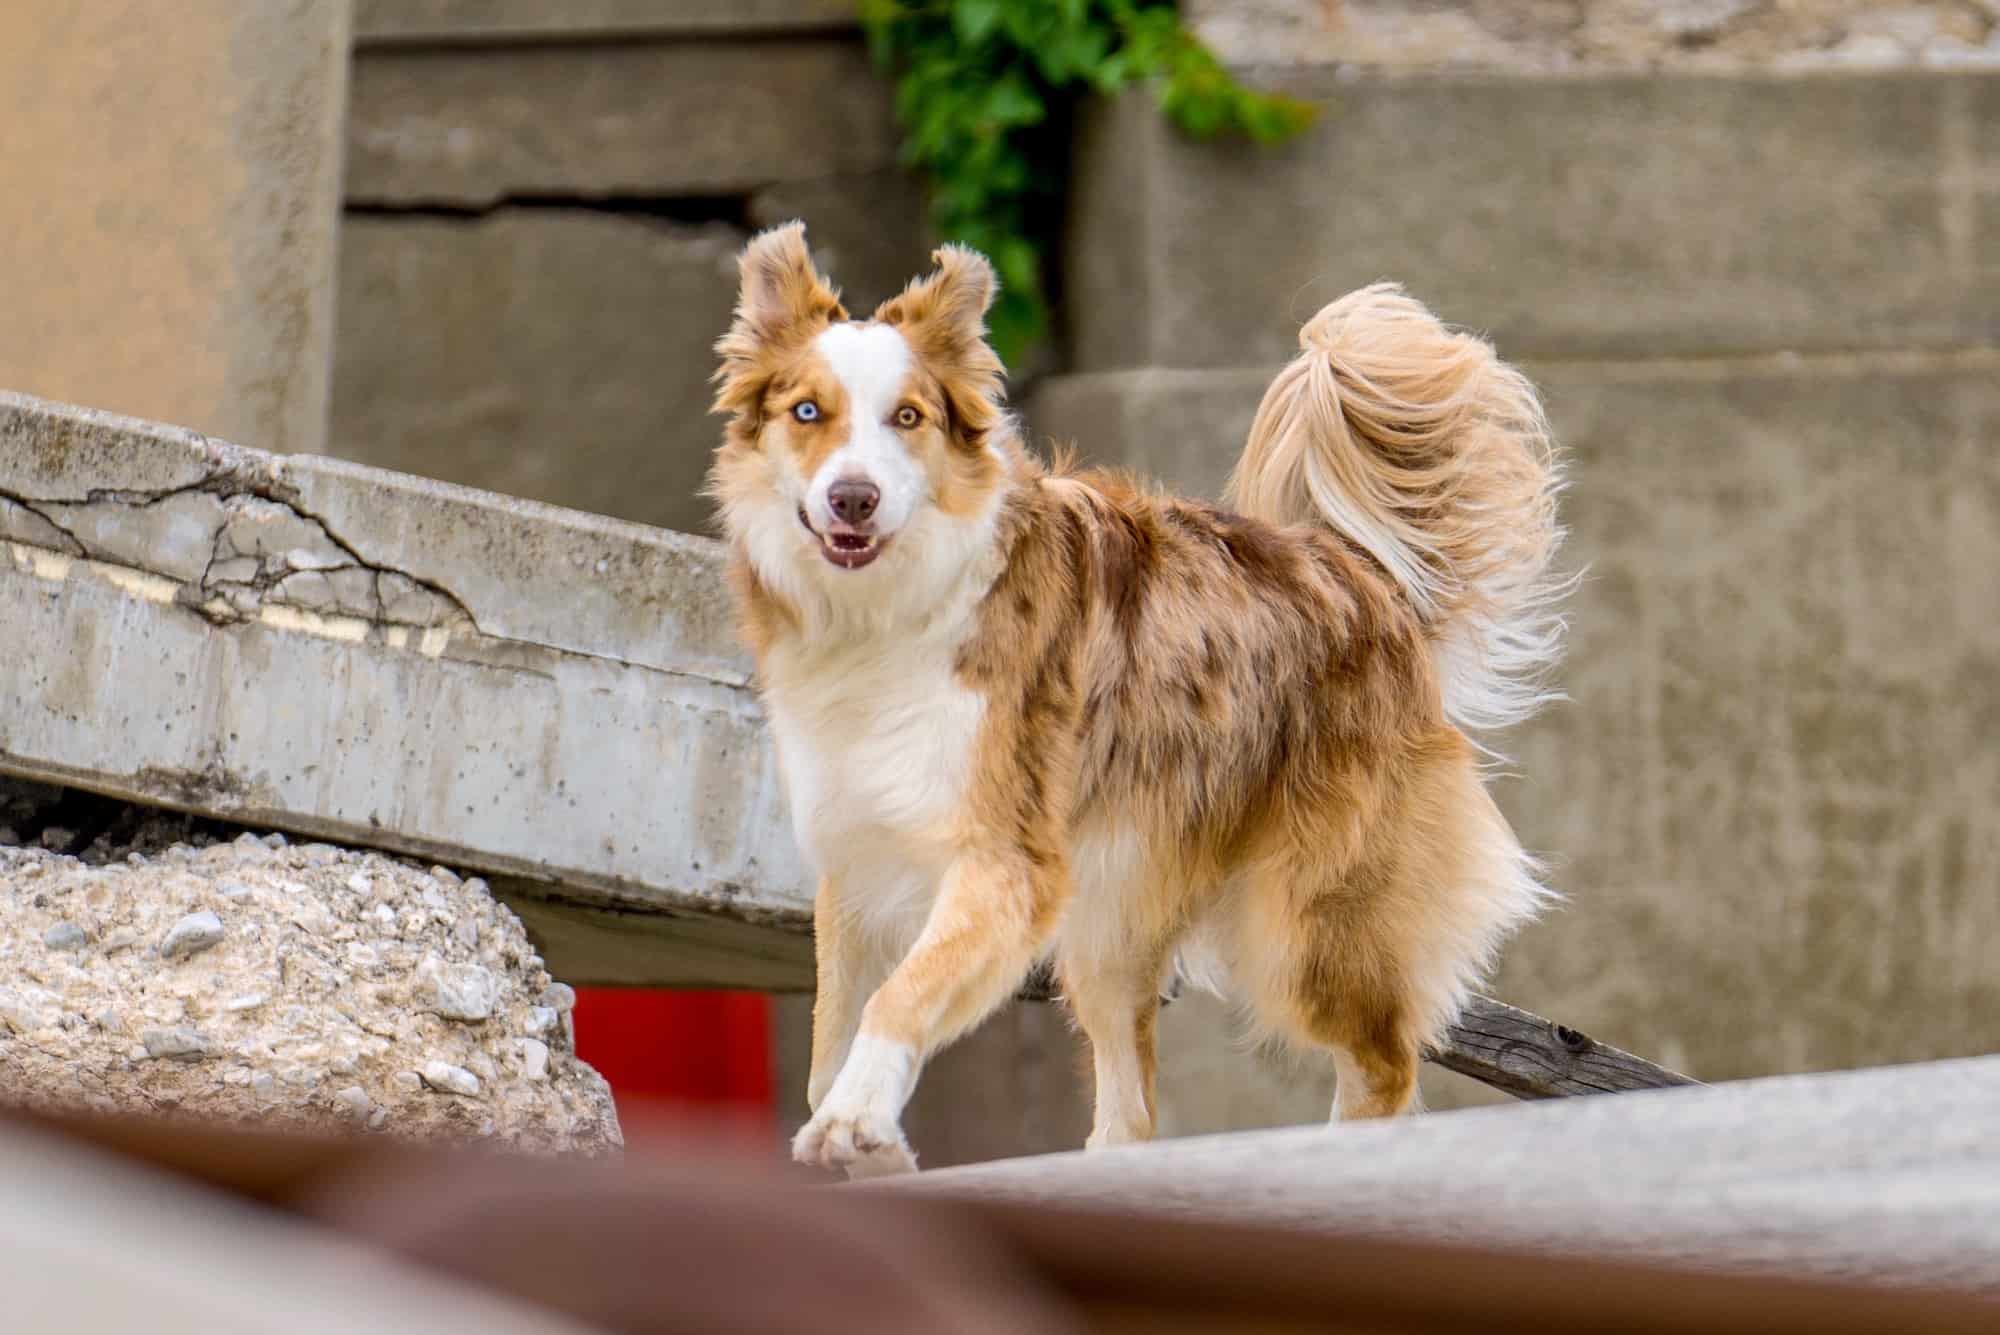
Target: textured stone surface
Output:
[(556, 354), (326, 979), (1551, 35), (867, 230), (578, 721), (1558, 214), (1890, 1175), (1769, 796), (473, 126), (172, 191), (486, 20)]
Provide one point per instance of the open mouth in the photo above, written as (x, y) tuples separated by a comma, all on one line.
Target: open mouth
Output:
[(847, 548)]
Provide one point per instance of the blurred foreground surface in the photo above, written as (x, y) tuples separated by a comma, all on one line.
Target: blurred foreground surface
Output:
[(247, 1232)]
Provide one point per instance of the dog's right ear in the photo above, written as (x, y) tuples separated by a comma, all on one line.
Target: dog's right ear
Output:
[(782, 293), (781, 303)]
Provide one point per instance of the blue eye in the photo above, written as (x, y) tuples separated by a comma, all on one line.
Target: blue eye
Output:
[(806, 410)]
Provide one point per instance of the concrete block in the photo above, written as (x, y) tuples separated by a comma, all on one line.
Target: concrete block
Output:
[(557, 354), (1769, 796), (172, 189), (443, 125), (867, 231), (1570, 217), (382, 21), (1879, 1176), (564, 708)]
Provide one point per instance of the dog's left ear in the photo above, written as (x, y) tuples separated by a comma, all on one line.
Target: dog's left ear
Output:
[(945, 312), (943, 316)]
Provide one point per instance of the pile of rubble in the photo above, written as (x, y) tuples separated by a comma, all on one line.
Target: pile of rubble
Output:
[(156, 962)]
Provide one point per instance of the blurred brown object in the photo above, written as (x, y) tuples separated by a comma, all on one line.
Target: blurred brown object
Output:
[(697, 1240)]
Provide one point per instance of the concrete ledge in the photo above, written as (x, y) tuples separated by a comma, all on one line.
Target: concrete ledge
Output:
[(1888, 1175), (1568, 216), (539, 695)]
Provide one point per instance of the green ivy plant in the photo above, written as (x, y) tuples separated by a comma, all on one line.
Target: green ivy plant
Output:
[(984, 90)]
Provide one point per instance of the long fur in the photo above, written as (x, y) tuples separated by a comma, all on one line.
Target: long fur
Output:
[(1418, 443), (1059, 713)]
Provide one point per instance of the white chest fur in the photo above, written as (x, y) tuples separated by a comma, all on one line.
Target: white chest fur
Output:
[(876, 745)]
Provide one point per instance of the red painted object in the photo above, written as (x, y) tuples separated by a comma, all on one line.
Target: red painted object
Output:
[(668, 1052)]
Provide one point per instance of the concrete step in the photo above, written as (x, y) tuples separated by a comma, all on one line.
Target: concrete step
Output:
[(1612, 215), (1770, 794), (550, 698)]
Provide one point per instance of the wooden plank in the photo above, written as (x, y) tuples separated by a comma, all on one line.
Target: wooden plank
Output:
[(1534, 1058), (1515, 1051)]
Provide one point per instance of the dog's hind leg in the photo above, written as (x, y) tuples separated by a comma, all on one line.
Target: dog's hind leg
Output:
[(1118, 1005), (1330, 966), (1371, 958)]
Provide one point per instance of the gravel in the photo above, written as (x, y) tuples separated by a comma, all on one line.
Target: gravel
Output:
[(157, 962)]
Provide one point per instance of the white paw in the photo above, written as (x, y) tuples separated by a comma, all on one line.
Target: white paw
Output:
[(1110, 1137), (861, 1145)]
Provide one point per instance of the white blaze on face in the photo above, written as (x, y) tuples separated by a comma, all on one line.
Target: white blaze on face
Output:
[(871, 362)]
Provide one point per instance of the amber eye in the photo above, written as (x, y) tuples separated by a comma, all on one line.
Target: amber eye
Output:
[(806, 410), (907, 417)]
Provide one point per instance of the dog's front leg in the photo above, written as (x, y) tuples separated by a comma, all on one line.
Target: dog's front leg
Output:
[(991, 921), (848, 968)]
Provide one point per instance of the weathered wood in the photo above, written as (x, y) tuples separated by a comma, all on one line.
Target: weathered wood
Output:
[(1533, 1058), (1515, 1051)]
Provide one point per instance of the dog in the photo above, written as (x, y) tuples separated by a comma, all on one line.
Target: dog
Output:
[(1026, 712)]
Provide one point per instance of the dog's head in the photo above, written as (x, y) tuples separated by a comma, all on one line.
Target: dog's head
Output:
[(859, 454)]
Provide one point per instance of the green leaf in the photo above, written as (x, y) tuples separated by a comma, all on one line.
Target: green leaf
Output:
[(982, 88), (974, 20)]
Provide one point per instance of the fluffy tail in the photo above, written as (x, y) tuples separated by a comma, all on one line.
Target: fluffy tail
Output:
[(1419, 444)]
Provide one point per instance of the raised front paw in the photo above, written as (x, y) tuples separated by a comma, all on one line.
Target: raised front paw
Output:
[(863, 1146)]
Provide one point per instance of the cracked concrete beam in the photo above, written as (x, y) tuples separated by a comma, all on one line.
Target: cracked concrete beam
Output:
[(548, 697)]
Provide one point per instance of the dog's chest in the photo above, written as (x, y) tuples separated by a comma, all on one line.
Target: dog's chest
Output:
[(876, 749)]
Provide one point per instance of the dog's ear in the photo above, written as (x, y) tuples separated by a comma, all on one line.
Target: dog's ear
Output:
[(781, 292), (943, 315), (945, 312), (782, 302)]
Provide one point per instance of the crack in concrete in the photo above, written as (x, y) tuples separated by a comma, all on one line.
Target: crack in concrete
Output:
[(497, 653), (234, 595), (256, 574)]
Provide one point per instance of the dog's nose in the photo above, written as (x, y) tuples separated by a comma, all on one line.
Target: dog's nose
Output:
[(853, 502)]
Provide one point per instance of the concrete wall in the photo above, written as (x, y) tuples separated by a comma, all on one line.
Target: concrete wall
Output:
[(543, 206), (167, 226), (1599, 34)]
